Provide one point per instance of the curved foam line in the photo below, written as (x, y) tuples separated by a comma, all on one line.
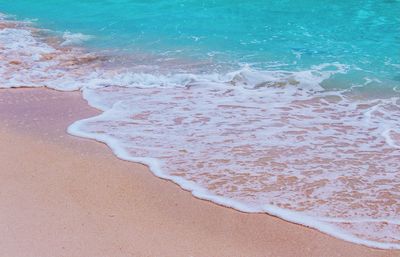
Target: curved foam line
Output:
[(202, 193)]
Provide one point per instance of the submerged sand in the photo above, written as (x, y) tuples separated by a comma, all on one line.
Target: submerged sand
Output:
[(66, 196)]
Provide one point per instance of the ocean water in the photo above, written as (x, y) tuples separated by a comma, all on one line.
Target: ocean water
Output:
[(286, 107)]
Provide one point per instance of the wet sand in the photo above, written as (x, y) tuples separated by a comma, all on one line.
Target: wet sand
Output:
[(66, 196)]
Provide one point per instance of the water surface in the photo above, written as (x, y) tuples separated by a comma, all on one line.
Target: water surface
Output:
[(286, 107)]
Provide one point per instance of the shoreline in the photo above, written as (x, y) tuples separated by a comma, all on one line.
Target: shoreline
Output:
[(86, 202), (202, 193)]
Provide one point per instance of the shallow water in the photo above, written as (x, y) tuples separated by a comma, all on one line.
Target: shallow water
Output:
[(290, 35), (301, 123)]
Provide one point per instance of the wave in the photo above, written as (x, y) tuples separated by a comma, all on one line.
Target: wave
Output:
[(254, 140)]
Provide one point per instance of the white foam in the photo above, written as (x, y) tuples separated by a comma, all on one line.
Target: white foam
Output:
[(322, 224), (256, 141), (392, 142), (74, 38), (157, 134)]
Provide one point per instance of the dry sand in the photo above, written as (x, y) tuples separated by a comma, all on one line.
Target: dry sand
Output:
[(65, 196)]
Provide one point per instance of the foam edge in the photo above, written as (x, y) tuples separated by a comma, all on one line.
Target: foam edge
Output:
[(204, 194)]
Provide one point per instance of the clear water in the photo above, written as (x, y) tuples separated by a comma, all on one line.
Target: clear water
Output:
[(290, 35), (285, 107)]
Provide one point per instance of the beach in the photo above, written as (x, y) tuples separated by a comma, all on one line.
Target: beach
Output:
[(67, 196)]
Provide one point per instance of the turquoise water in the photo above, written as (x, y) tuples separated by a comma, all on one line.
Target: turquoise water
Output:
[(288, 35), (286, 107)]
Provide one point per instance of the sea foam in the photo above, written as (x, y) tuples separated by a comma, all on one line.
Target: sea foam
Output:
[(74, 38), (257, 141)]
